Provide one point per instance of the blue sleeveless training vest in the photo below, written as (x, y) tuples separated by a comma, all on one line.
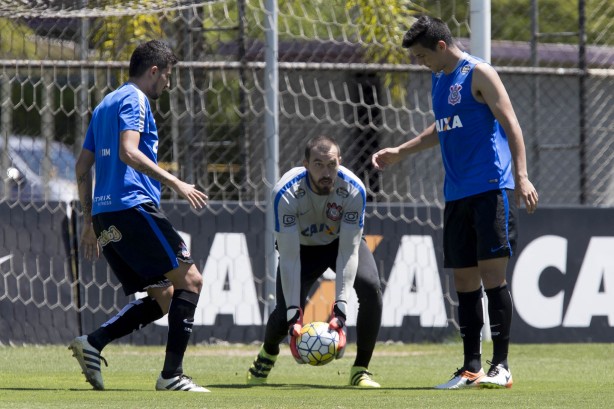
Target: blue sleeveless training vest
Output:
[(474, 147)]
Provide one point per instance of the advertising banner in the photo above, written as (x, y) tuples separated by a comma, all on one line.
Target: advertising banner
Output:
[(561, 277)]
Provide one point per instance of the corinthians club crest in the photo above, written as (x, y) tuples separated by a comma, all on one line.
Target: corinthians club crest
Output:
[(333, 211), (455, 96)]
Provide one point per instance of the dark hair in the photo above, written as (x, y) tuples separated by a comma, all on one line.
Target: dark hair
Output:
[(149, 54), (320, 142), (427, 31)]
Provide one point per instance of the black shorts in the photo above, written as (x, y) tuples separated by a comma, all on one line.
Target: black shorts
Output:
[(315, 260), (479, 227), (140, 245)]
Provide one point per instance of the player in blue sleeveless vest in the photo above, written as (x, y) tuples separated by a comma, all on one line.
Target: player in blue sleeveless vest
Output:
[(122, 217), (485, 167)]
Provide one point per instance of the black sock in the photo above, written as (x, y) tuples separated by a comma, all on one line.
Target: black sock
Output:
[(271, 349), (276, 330), (500, 313), (180, 322), (132, 317), (363, 357), (368, 320), (471, 320)]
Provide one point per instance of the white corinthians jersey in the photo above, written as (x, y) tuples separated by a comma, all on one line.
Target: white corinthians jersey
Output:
[(318, 218)]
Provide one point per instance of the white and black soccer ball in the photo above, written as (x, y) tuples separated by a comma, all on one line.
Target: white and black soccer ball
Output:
[(317, 344)]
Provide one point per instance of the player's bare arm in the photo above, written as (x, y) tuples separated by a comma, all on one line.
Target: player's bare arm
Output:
[(130, 154), (83, 170), (487, 87), (389, 156)]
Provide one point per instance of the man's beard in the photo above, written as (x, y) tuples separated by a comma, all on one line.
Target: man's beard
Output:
[(319, 189), (326, 189)]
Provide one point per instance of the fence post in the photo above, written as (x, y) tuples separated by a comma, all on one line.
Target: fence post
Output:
[(271, 78)]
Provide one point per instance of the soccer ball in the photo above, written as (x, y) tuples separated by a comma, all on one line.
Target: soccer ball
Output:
[(317, 344)]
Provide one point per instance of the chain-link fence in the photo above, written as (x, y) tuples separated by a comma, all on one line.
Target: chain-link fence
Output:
[(342, 73)]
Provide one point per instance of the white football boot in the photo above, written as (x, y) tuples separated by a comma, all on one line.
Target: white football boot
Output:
[(463, 379), (181, 383), (497, 377), (89, 360)]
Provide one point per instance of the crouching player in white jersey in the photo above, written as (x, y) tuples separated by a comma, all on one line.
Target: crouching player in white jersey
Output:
[(319, 216)]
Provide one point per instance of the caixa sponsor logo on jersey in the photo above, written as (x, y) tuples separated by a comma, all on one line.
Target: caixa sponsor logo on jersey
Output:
[(316, 228), (446, 124)]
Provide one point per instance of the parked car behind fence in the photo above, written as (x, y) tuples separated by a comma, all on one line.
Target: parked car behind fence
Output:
[(34, 170)]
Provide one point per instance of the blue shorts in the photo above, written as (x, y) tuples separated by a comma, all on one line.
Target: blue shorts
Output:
[(479, 227), (140, 245)]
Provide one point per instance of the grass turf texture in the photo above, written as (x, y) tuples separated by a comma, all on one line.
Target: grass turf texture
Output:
[(545, 376)]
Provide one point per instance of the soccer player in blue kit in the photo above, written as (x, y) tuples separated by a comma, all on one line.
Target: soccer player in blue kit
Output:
[(319, 215), (485, 179), (124, 219)]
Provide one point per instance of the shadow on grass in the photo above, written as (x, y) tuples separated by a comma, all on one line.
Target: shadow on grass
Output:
[(301, 386), (17, 389), (296, 386)]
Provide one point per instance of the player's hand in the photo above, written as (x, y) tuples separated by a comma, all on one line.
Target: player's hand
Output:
[(89, 243), (337, 323), (294, 317), (195, 197), (387, 156), (526, 192)]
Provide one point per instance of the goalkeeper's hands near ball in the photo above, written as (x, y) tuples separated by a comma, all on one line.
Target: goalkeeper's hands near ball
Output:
[(294, 317), (337, 323)]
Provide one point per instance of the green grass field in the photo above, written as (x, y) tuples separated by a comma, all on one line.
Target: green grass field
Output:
[(546, 376)]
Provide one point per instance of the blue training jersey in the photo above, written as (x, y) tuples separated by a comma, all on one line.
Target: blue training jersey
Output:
[(474, 147), (118, 186)]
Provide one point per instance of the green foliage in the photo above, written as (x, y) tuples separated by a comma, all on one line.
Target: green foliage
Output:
[(116, 37), (511, 19), (554, 16), (545, 376), (381, 26), (16, 40), (314, 19), (454, 13), (324, 20)]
